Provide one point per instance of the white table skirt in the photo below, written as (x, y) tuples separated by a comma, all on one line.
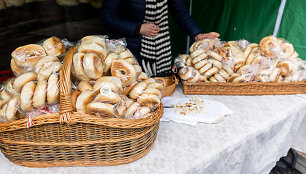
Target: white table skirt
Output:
[(261, 130)]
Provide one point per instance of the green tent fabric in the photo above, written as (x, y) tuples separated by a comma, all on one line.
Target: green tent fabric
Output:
[(245, 19), (293, 25)]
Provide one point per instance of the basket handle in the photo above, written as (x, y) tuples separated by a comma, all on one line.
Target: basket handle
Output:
[(176, 80), (65, 88)]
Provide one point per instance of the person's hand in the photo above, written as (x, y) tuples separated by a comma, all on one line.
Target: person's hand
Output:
[(211, 35), (149, 30)]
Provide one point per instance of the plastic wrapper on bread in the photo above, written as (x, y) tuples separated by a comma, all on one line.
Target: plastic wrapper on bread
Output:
[(272, 60), (25, 58)]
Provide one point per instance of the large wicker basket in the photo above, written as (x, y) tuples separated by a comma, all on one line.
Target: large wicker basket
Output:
[(171, 83), (85, 140), (258, 88)]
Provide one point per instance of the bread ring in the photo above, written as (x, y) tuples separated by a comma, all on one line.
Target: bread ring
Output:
[(216, 63), (109, 97), (212, 79), (150, 81), (152, 91), (94, 39), (101, 109), (39, 97), (11, 109), (5, 95), (82, 101), (205, 68), (219, 78), (124, 70), (156, 86), (248, 50), (131, 110), (46, 71), (27, 56), (142, 112), (195, 78), (20, 81), (199, 58), (200, 64), (149, 100), (129, 88), (240, 79), (211, 72), (84, 85), (269, 46), (92, 66), (42, 62), (186, 73), (203, 78), (196, 53), (74, 97), (215, 55), (92, 48), (275, 73), (232, 77), (286, 67), (53, 89), (126, 54), (138, 90), (111, 85), (16, 69), (54, 47), (224, 74), (109, 60), (143, 76), (26, 96), (78, 69)]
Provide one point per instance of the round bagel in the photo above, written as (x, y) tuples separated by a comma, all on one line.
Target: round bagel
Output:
[(105, 110), (124, 70), (54, 47), (92, 47), (149, 100), (27, 56)]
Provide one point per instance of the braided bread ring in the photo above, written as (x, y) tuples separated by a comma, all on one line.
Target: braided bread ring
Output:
[(205, 68), (199, 58), (53, 89), (20, 81), (39, 97), (16, 69), (26, 96), (11, 109), (211, 72)]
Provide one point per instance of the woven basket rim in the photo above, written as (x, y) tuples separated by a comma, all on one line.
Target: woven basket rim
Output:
[(243, 84)]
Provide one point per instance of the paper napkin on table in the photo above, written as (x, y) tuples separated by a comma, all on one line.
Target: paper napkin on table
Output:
[(214, 112)]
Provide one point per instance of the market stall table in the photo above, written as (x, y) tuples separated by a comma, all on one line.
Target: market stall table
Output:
[(261, 130)]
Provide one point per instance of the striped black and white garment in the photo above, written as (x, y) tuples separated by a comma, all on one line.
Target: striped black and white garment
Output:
[(156, 52)]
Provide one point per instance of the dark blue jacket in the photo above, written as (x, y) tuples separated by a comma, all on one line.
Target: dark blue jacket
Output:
[(124, 18)]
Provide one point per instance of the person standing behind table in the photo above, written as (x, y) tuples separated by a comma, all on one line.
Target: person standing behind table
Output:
[(144, 25)]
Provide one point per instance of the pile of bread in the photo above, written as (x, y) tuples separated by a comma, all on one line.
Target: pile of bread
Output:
[(13, 3), (93, 3), (110, 82), (36, 85), (273, 60)]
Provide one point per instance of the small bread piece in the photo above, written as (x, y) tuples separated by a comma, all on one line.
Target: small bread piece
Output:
[(20, 81), (138, 90), (217, 63), (149, 100), (200, 64), (196, 53), (39, 97), (219, 78), (12, 108), (26, 96), (82, 101), (205, 68), (215, 55), (224, 74), (101, 109), (232, 77), (199, 58), (84, 85), (74, 97), (92, 66), (54, 47), (212, 79), (53, 89)]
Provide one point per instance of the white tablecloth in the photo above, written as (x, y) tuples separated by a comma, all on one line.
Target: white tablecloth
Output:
[(261, 130)]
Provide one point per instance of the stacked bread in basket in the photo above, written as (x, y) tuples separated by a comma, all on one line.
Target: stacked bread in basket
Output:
[(112, 108), (215, 67)]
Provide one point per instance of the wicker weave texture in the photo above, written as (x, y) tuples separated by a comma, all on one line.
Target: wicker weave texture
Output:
[(258, 88), (84, 140), (171, 83)]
